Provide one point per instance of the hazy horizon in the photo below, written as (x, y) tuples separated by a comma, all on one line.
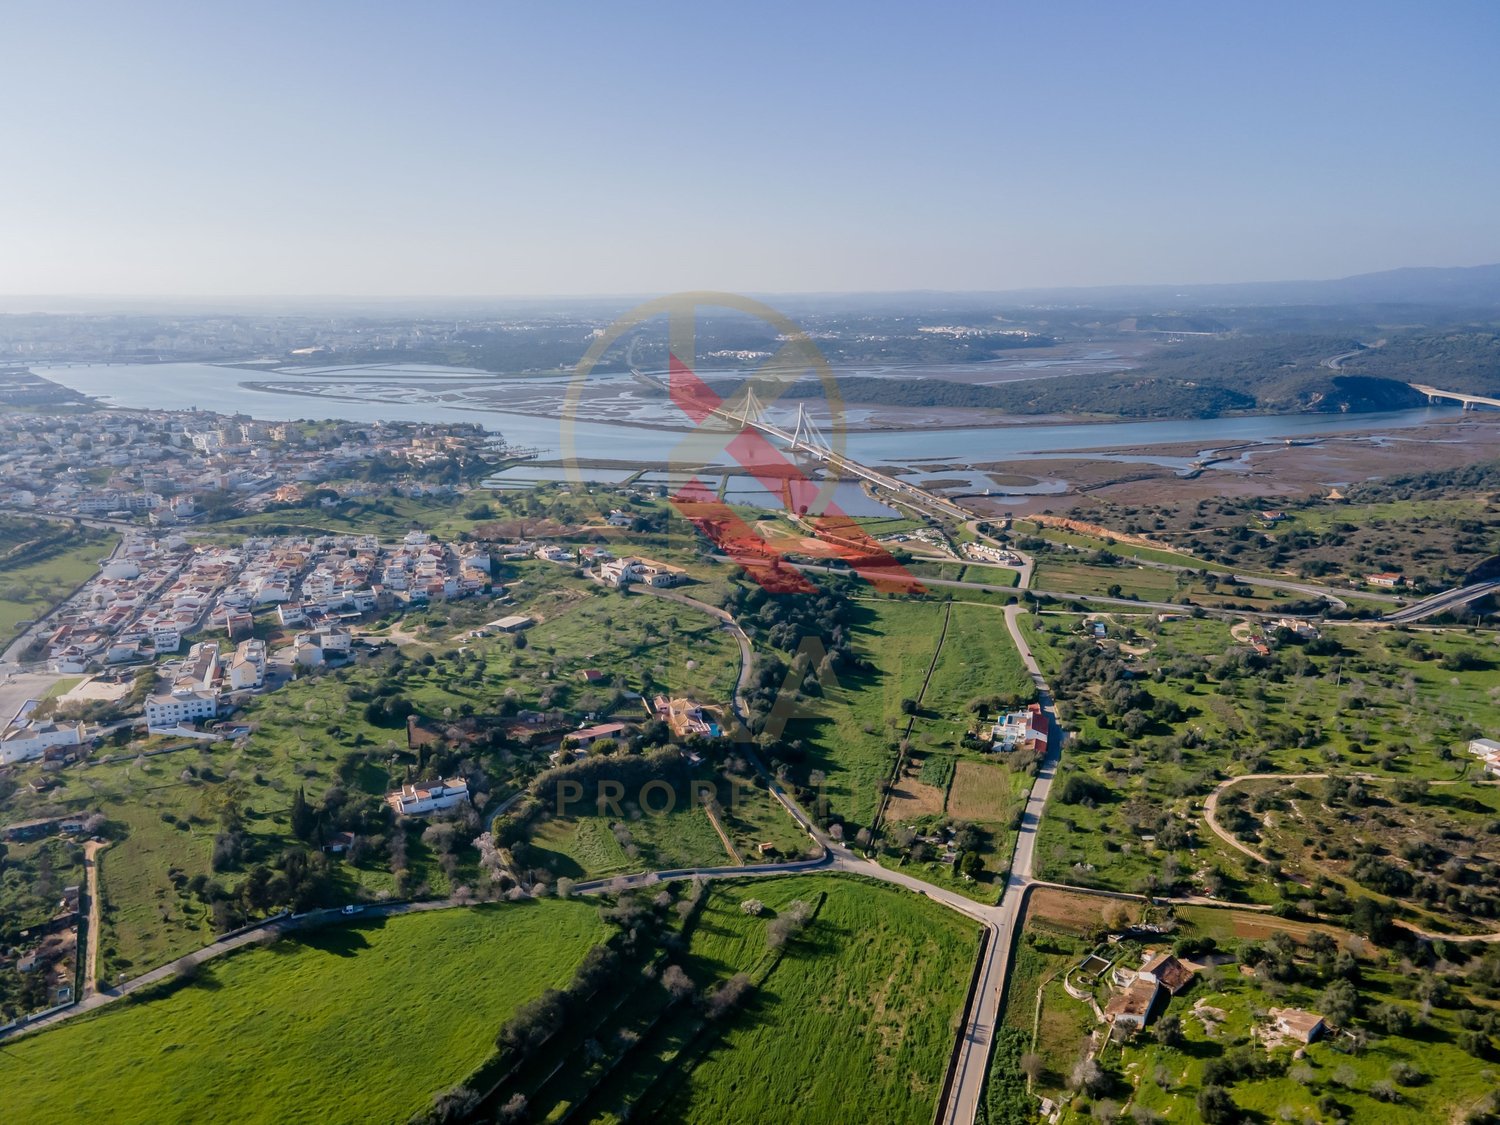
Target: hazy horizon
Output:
[(172, 152)]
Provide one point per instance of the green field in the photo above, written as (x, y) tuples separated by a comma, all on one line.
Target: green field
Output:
[(1084, 542), (858, 724), (41, 563), (1075, 577), (855, 1023), (669, 835), (978, 659), (585, 847), (145, 922), (649, 642), (314, 734), (358, 1023), (1062, 575), (977, 662), (964, 572)]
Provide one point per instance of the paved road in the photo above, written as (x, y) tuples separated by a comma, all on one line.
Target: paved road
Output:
[(1001, 921), (978, 1036), (1226, 575), (1100, 599), (1440, 603), (17, 687), (1335, 362), (1469, 401), (1233, 578), (747, 656)]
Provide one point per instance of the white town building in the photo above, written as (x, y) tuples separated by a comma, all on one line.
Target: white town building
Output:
[(25, 738)]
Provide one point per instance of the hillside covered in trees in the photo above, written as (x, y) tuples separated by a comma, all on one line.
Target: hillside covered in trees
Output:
[(1203, 379), (1466, 361)]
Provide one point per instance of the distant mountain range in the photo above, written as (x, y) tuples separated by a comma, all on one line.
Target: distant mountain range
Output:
[(1476, 287), (1418, 285)]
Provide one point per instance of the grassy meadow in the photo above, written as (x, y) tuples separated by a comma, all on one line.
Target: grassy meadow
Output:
[(852, 738), (853, 1023), (41, 563), (350, 1023)]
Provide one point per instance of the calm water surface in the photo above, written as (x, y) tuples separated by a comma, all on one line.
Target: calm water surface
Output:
[(176, 386)]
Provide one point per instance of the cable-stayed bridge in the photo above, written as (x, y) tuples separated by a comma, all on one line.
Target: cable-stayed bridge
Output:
[(807, 438)]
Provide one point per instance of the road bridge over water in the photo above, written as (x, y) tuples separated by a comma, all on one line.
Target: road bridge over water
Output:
[(807, 439), (1469, 402)]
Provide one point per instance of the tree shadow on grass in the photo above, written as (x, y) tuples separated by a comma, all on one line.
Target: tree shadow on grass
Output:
[(341, 941), (1198, 1048), (559, 863)]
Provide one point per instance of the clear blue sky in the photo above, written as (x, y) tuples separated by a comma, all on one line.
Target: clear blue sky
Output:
[(549, 148)]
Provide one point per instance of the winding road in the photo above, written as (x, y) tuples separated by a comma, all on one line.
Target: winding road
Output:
[(1002, 921)]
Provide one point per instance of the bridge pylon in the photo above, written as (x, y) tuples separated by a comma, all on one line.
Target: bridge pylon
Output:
[(807, 435), (751, 411)]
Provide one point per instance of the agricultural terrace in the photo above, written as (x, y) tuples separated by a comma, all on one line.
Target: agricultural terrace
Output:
[(1406, 1046), (349, 1023), (1165, 710)]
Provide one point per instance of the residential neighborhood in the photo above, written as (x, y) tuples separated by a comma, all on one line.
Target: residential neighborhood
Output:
[(151, 464)]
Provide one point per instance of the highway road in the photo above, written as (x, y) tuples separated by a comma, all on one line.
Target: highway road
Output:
[(1468, 401), (1266, 583), (1335, 362), (1440, 603), (1062, 595)]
